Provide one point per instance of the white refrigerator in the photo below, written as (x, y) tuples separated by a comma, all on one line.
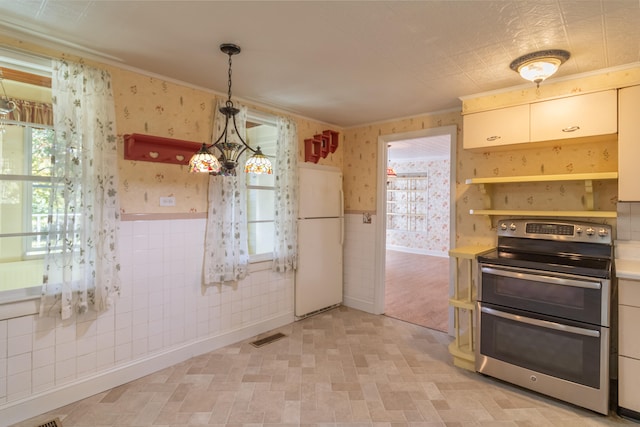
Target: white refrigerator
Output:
[(318, 278)]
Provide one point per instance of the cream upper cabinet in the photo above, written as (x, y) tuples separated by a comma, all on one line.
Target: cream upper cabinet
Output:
[(629, 144), (504, 126), (564, 118), (575, 116)]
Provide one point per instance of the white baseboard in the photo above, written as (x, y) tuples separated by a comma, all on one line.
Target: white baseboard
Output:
[(66, 394), (358, 304), (418, 251)]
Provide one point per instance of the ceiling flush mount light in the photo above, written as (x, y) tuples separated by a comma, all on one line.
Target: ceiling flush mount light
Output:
[(230, 145), (537, 66)]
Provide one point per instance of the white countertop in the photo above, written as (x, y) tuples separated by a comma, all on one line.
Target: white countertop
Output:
[(627, 259)]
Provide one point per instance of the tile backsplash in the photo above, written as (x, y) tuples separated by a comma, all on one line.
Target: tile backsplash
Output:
[(628, 221)]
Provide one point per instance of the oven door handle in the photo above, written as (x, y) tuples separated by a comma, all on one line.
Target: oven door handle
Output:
[(542, 278), (542, 323)]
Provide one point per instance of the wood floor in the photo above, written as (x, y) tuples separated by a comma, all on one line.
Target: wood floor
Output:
[(417, 289)]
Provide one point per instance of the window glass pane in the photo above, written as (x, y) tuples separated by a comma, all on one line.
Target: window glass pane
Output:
[(261, 238), (261, 205), (13, 153), (16, 273), (41, 146), (262, 180)]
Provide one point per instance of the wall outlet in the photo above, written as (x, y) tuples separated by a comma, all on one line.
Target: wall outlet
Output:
[(167, 201)]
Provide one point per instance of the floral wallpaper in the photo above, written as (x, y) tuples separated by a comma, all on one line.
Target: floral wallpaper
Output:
[(361, 154), (152, 106), (418, 207), (566, 156)]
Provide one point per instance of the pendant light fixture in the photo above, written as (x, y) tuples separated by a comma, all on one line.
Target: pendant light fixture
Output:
[(6, 106), (230, 145), (538, 66)]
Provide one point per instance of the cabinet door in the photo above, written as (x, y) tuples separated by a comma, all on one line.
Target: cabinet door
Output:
[(629, 144), (629, 292), (629, 319), (504, 126), (575, 116), (628, 384)]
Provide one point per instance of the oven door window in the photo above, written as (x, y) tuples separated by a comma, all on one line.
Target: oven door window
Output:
[(562, 351), (562, 296)]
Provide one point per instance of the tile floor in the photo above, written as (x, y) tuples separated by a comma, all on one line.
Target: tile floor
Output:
[(342, 367)]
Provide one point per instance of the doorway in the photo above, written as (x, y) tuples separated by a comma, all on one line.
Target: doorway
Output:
[(417, 228)]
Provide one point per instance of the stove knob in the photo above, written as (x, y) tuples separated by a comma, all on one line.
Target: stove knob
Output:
[(503, 226), (590, 231), (512, 227), (603, 232), (578, 230)]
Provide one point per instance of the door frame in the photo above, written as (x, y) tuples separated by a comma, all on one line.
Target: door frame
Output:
[(381, 207)]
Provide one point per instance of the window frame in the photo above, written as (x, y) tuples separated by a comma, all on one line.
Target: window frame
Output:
[(37, 69), (260, 118)]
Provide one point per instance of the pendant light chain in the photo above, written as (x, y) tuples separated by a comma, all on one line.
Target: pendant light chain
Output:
[(229, 102)]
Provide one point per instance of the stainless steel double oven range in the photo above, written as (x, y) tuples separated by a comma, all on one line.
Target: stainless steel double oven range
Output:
[(543, 309)]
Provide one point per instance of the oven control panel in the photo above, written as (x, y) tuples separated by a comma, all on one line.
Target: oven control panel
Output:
[(554, 230)]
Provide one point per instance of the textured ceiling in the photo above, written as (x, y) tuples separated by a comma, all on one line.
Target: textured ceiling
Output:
[(344, 63)]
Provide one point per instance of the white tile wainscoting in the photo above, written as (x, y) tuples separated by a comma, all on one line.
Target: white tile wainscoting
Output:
[(162, 317), (359, 262)]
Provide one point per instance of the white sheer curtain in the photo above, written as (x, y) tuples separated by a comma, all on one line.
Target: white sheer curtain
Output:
[(226, 255), (286, 196), (81, 261)]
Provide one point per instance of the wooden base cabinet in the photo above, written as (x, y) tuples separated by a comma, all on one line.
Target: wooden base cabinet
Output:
[(629, 348)]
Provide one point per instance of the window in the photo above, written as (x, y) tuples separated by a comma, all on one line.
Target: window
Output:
[(26, 138), (260, 191), (25, 185)]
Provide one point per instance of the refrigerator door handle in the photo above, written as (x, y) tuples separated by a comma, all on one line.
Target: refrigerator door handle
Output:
[(341, 195)]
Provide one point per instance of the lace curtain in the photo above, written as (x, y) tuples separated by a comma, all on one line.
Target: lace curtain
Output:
[(286, 196), (226, 255), (81, 261)]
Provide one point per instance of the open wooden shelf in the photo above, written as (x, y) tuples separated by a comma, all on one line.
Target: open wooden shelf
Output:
[(485, 186), (574, 214), (463, 302), (544, 178)]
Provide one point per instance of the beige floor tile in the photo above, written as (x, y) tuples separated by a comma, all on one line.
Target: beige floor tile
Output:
[(339, 368)]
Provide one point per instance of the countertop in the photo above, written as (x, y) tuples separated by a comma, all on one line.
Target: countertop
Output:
[(627, 259)]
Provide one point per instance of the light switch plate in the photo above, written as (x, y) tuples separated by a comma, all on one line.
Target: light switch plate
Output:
[(167, 201)]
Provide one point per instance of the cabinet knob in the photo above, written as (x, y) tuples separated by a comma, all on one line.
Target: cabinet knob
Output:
[(493, 138), (571, 129)]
